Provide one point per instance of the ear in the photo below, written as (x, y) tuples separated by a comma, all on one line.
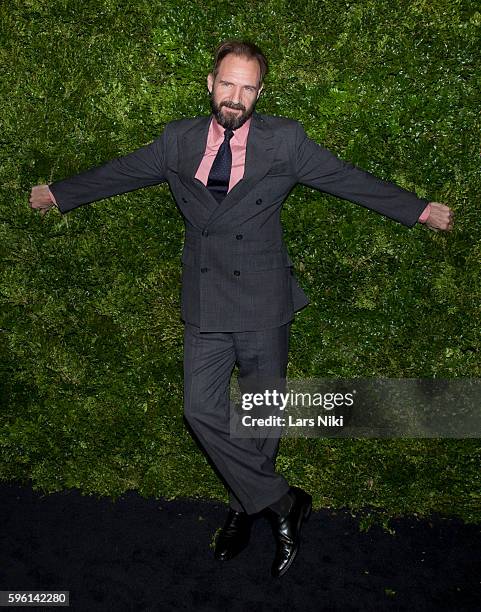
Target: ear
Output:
[(210, 82)]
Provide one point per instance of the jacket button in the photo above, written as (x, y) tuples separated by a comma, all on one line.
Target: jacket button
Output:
[(236, 273), (184, 200), (239, 236), (259, 201), (205, 232), (204, 269)]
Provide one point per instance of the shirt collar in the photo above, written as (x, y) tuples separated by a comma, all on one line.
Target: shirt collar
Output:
[(240, 135)]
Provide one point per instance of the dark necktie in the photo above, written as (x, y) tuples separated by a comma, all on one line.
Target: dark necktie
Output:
[(219, 175)]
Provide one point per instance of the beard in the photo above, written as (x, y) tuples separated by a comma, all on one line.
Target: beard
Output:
[(230, 121)]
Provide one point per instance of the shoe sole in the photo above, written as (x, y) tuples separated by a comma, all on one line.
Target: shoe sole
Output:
[(303, 517)]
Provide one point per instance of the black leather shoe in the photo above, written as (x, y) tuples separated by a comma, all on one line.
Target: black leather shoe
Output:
[(234, 536), (287, 530)]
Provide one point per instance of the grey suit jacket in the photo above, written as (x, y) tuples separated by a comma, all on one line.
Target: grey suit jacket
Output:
[(237, 274)]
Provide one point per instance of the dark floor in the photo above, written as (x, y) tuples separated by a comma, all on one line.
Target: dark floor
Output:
[(137, 554)]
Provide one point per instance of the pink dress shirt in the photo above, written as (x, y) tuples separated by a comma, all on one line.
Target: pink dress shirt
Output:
[(238, 143)]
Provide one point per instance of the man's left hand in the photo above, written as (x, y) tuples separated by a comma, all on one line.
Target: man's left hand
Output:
[(441, 217)]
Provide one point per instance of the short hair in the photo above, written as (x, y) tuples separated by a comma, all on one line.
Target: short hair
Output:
[(243, 48)]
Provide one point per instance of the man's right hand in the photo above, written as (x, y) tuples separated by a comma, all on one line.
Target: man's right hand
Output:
[(40, 198)]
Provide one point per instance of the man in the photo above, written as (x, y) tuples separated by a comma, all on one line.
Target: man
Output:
[(230, 174)]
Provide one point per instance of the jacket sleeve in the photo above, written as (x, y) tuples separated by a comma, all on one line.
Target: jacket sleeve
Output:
[(141, 168), (317, 167)]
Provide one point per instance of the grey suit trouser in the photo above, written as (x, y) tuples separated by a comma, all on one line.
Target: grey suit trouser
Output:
[(246, 464)]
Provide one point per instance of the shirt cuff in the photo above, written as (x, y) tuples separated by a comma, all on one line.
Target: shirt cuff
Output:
[(425, 214), (52, 197)]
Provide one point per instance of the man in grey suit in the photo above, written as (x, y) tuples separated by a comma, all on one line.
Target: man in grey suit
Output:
[(230, 174)]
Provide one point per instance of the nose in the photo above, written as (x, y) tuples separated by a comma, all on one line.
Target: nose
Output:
[(237, 95)]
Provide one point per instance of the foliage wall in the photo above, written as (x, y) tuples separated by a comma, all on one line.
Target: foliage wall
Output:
[(91, 339)]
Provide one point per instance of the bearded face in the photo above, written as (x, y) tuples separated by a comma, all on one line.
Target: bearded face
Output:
[(235, 90)]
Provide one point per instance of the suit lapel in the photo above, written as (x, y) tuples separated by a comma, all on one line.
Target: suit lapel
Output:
[(192, 148), (260, 149)]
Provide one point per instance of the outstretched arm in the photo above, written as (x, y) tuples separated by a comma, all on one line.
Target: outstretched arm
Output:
[(317, 167), (141, 168)]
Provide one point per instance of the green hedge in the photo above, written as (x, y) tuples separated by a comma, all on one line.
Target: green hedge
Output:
[(91, 340)]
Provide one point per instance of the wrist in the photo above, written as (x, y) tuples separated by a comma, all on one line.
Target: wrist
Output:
[(425, 214), (52, 197)]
